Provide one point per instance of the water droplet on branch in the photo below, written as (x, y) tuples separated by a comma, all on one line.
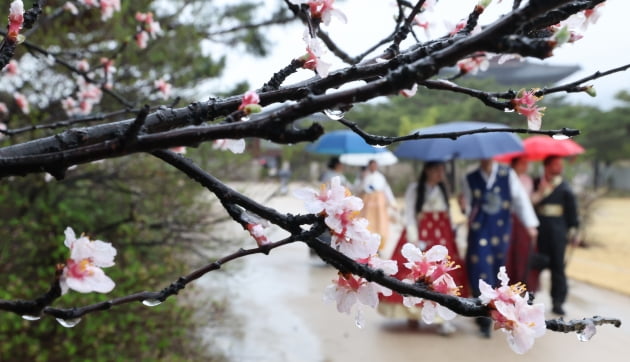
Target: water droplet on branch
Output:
[(151, 302), (31, 317), (69, 323), (560, 136), (334, 114), (508, 110), (588, 332)]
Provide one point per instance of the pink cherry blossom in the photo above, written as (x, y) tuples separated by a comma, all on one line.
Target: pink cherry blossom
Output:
[(353, 238), (150, 28), (179, 149), (83, 271), (108, 65), (329, 198), (522, 322), (236, 146), (141, 39), (250, 103), (22, 102), (313, 58), (258, 233), (12, 68), (83, 66), (525, 104), (349, 232), (512, 313), (16, 19), (389, 267), (164, 87), (4, 110), (457, 27), (349, 289), (69, 6), (432, 268), (473, 64), (323, 10), (108, 7), (408, 93)]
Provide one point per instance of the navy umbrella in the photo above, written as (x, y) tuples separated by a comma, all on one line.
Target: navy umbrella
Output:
[(467, 147), (342, 142)]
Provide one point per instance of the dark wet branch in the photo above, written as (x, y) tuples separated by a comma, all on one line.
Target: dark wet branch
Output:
[(578, 86), (578, 325), (279, 77), (376, 140), (34, 307), (402, 33)]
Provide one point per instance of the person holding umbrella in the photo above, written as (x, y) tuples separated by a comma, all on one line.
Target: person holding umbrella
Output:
[(490, 194), (556, 207), (427, 223)]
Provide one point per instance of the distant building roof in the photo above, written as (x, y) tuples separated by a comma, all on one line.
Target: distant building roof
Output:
[(516, 72)]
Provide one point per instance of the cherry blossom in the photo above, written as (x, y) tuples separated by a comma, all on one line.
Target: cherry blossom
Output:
[(389, 267), (236, 146), (22, 102), (522, 322), (4, 110), (525, 104), (313, 58), (82, 271), (16, 19), (107, 7), (250, 103), (457, 27), (408, 93), (349, 289), (12, 68), (512, 313), (352, 237), (83, 66), (150, 29), (164, 87), (430, 268), (141, 39), (179, 149), (69, 6), (349, 232), (327, 198), (258, 233), (473, 64), (323, 10)]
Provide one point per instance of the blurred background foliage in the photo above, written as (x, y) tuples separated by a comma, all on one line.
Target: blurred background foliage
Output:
[(159, 222)]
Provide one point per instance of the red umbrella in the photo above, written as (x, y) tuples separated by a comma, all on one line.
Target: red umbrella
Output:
[(540, 147)]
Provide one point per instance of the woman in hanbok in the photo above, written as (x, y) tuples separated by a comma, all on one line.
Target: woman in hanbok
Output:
[(428, 223), (377, 198)]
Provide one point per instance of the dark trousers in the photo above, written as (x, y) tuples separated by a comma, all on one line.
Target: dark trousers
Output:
[(554, 245)]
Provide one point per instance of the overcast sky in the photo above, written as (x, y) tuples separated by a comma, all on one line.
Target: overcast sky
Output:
[(369, 20)]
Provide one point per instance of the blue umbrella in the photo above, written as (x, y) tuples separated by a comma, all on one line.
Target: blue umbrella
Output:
[(341, 142), (468, 147)]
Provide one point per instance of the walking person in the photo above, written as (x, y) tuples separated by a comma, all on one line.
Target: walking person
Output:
[(522, 245), (490, 194), (427, 223), (556, 207), (377, 199)]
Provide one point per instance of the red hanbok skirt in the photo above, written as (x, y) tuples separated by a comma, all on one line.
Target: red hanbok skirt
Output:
[(434, 229), (517, 263)]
